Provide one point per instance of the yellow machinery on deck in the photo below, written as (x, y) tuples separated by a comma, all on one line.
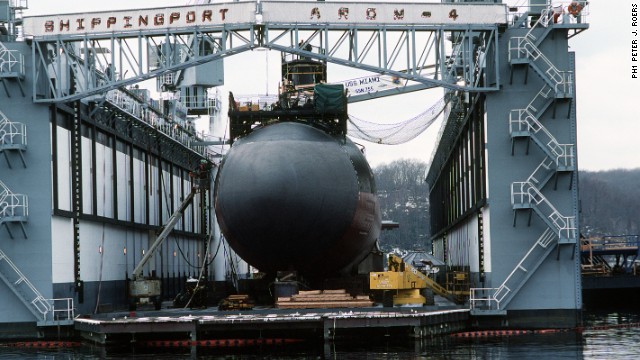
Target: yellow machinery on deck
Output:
[(405, 282)]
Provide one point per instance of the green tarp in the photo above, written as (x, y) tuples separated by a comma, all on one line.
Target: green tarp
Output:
[(329, 98)]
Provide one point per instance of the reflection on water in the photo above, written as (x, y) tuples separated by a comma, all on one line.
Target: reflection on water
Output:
[(605, 342), (611, 343)]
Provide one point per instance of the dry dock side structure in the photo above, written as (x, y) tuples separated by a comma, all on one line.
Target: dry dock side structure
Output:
[(85, 185), (503, 180)]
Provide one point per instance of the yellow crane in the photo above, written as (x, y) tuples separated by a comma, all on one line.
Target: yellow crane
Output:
[(405, 281)]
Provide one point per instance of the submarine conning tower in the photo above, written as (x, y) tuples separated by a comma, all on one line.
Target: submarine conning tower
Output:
[(303, 96)]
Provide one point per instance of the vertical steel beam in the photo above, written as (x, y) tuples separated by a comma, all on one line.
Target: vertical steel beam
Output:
[(94, 170), (114, 171), (497, 59), (140, 56), (76, 162), (147, 186), (441, 54), (132, 200), (53, 116)]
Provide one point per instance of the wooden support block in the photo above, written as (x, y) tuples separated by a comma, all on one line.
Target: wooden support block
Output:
[(309, 292), (337, 291), (324, 304)]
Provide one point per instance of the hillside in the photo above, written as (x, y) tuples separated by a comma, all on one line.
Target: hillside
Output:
[(609, 203), (402, 193)]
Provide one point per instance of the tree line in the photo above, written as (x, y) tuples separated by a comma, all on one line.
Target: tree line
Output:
[(608, 203), (403, 198)]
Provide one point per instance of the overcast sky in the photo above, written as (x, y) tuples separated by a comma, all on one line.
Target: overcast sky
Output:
[(608, 99)]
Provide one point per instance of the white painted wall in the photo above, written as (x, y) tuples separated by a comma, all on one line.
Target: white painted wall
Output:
[(124, 176), (63, 138), (62, 250), (87, 178), (104, 180)]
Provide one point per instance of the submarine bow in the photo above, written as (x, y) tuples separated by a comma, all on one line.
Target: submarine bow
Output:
[(290, 196)]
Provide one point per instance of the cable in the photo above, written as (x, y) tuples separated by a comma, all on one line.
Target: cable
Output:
[(204, 265), (232, 267), (95, 311)]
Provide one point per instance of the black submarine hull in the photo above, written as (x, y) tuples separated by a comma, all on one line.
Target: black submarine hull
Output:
[(290, 196)]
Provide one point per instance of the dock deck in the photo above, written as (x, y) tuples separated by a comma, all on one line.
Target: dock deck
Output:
[(198, 326)]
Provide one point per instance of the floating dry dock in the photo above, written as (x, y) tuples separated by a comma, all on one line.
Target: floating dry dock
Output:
[(281, 324)]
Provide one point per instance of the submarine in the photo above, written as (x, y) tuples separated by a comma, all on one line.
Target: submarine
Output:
[(294, 193)]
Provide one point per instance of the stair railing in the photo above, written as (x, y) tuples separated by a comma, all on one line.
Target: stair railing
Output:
[(40, 307)]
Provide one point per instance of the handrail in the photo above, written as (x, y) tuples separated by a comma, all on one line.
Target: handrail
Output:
[(613, 242), (483, 295), (497, 295), (13, 205), (544, 20), (542, 173), (526, 193), (12, 134), (523, 12), (523, 47), (146, 113), (545, 95), (522, 120), (11, 61), (39, 303), (65, 311)]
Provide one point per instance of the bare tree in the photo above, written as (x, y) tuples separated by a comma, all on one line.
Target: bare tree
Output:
[(404, 199)]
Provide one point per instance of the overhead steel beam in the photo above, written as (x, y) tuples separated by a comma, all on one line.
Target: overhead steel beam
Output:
[(74, 62)]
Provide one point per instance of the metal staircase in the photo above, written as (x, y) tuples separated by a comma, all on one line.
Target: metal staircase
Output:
[(23, 288), (525, 123), (13, 137), (525, 195), (14, 208), (524, 51), (44, 310), (522, 123), (12, 66), (493, 301)]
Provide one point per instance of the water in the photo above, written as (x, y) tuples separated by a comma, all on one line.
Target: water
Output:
[(607, 343)]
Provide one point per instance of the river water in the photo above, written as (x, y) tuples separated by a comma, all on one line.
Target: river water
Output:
[(601, 339)]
